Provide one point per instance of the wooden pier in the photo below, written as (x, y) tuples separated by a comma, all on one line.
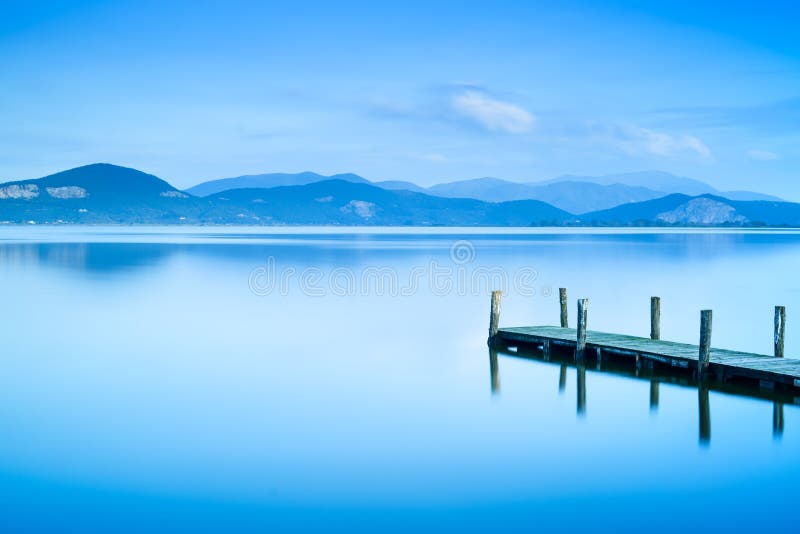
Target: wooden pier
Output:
[(702, 361), (770, 378)]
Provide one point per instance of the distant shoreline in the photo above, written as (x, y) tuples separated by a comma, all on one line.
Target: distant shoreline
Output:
[(363, 229)]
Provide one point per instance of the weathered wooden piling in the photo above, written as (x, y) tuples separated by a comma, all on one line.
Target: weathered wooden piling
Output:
[(494, 317), (562, 377), (655, 318), (705, 342), (580, 347), (562, 297), (780, 330)]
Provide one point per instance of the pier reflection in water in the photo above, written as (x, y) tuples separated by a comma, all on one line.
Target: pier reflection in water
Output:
[(494, 373), (656, 377)]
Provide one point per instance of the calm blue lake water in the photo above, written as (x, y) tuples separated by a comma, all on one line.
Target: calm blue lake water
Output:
[(313, 379)]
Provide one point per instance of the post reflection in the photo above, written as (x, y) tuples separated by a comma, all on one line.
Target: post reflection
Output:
[(705, 413), (653, 396), (494, 371), (654, 376), (777, 419), (581, 371)]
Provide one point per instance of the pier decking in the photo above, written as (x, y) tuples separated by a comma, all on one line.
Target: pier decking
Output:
[(702, 360), (723, 363)]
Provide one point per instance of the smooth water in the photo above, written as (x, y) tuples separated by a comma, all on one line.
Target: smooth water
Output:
[(317, 379)]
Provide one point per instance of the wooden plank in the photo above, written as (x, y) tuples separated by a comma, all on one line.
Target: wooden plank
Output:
[(729, 362)]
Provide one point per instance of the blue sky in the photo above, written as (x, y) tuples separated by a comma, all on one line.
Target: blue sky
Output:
[(419, 91)]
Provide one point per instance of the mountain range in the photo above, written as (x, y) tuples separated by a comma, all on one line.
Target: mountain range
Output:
[(575, 194), (109, 194), (256, 181)]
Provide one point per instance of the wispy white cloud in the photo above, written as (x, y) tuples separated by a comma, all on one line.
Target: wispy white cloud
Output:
[(779, 117), (663, 144), (434, 157), (762, 155), (493, 114), (637, 141), (458, 105)]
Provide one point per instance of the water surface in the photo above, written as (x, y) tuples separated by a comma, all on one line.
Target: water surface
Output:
[(161, 378)]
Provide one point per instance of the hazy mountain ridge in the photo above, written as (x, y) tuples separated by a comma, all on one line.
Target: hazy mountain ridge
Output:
[(251, 181), (575, 194), (108, 194), (348, 203), (702, 210), (582, 194), (666, 183), (400, 185), (654, 180), (575, 197)]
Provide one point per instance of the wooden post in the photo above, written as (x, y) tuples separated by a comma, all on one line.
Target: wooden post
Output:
[(494, 371), (705, 342), (780, 330), (562, 377), (580, 346), (494, 318), (562, 297), (655, 318)]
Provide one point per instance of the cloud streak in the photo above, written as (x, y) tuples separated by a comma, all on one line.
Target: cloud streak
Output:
[(637, 141), (474, 108), (463, 106), (762, 155), (662, 144), (780, 117), (492, 114)]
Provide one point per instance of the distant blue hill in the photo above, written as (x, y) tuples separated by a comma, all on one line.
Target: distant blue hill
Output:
[(267, 180), (572, 196), (662, 182), (109, 194), (655, 180), (347, 203), (701, 210), (400, 185), (575, 194), (97, 193), (98, 180)]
